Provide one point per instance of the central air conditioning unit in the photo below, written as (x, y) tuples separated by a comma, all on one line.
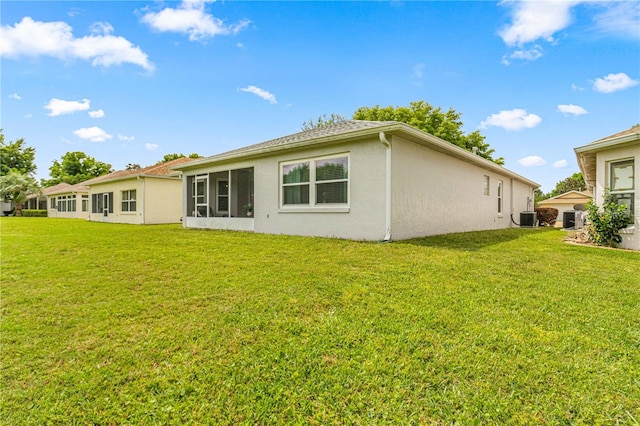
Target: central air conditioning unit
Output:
[(528, 219)]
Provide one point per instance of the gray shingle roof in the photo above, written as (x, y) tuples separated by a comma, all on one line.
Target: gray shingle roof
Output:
[(340, 128)]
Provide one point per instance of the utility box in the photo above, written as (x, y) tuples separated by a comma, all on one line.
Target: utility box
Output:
[(528, 219)]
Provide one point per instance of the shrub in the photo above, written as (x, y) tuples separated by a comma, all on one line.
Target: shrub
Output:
[(546, 215), (604, 225), (34, 213)]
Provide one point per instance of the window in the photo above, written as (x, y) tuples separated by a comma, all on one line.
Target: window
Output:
[(54, 204), (71, 203), (500, 189), (621, 184), (316, 182), (486, 185), (129, 200), (85, 203), (295, 183), (62, 203)]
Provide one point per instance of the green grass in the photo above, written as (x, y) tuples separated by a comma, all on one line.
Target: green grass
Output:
[(125, 324)]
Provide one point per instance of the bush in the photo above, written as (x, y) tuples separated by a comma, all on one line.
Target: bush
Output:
[(34, 213), (546, 215), (605, 224)]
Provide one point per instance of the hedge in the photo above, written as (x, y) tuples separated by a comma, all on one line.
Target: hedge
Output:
[(34, 213), (547, 215)]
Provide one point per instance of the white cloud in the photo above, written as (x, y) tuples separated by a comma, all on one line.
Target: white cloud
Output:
[(560, 164), (96, 114), (29, 115), (15, 96), (576, 88), (534, 20), (125, 138), (621, 18), (527, 54), (93, 134), (36, 38), (572, 109), (151, 146), (260, 93), (190, 18), (514, 119), (532, 160), (418, 70), (60, 107), (613, 82)]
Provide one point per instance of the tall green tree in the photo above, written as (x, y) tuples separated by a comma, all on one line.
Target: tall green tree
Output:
[(16, 156), (443, 124), (171, 157), (322, 121), (16, 187), (575, 182), (75, 167)]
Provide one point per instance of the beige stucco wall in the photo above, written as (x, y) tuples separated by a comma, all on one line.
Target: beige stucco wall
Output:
[(434, 193), (163, 200), (157, 201), (631, 235)]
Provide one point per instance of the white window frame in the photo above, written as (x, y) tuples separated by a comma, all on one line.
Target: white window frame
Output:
[(486, 182), (623, 191), (224, 196), (198, 205), (313, 205), (85, 203), (128, 201)]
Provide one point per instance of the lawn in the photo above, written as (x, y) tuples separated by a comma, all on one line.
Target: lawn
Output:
[(126, 324)]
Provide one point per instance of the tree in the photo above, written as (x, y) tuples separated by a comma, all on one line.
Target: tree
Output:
[(423, 116), (322, 121), (575, 182), (75, 167), (133, 166), (16, 187), (16, 156), (171, 157)]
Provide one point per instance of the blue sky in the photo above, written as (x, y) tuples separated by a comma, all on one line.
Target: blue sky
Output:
[(131, 81)]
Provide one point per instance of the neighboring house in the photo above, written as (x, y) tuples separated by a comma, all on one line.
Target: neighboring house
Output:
[(40, 202), (566, 202), (611, 163), (150, 195), (361, 180), (69, 201)]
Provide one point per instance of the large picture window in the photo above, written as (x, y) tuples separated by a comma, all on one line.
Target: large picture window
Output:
[(622, 184), (316, 182), (129, 200)]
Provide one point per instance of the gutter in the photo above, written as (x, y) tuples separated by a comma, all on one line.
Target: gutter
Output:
[(387, 201)]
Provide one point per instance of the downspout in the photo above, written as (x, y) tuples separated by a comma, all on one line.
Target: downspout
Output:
[(142, 204), (387, 212), (511, 203)]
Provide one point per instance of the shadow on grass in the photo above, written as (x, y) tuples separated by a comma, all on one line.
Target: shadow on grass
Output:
[(472, 241)]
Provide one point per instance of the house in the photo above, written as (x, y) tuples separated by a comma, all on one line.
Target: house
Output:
[(68, 201), (40, 201), (361, 180), (566, 202), (150, 195), (610, 163)]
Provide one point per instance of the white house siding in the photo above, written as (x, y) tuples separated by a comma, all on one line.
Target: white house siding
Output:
[(362, 219), (630, 235), (435, 193)]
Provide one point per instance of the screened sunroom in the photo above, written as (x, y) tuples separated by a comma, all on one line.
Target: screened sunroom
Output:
[(225, 194)]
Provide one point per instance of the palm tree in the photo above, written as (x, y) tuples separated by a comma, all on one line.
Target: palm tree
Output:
[(16, 187)]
